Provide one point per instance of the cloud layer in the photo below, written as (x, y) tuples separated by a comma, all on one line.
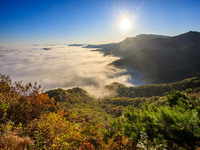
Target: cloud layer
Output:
[(62, 67)]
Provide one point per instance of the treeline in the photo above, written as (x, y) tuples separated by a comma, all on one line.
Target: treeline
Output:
[(72, 119), (149, 90)]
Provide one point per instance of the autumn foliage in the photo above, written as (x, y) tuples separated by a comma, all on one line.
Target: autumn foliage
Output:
[(71, 119)]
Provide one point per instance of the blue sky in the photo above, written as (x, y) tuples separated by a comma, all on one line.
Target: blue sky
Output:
[(93, 21)]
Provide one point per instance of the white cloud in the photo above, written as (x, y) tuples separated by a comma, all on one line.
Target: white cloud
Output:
[(62, 67)]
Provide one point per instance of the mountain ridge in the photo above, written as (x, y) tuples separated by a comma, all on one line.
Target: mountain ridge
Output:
[(161, 59)]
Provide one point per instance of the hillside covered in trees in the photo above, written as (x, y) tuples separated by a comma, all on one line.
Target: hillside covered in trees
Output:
[(154, 116), (160, 59)]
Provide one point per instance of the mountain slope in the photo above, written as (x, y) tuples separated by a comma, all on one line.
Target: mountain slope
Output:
[(164, 66), (131, 44), (158, 42), (160, 59)]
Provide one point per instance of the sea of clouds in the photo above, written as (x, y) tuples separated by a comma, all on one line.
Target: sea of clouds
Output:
[(62, 67)]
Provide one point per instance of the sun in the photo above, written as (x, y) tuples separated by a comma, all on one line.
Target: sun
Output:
[(125, 24)]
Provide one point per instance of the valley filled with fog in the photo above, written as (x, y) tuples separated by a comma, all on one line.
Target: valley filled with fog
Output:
[(62, 67)]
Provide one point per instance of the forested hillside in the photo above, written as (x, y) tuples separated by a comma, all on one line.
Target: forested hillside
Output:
[(160, 59), (155, 116)]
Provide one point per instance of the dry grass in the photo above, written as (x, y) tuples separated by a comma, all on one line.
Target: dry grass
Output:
[(11, 141)]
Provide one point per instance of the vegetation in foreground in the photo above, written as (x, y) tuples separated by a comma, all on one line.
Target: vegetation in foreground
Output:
[(162, 116)]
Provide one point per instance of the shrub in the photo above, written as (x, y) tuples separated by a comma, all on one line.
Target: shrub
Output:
[(22, 103)]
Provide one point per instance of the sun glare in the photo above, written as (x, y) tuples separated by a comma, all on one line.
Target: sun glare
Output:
[(125, 24)]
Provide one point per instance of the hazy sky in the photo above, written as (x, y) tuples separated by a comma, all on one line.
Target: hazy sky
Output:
[(93, 21)]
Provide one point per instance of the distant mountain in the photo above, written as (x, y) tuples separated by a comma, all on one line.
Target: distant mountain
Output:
[(130, 44), (46, 49), (35, 45), (157, 42), (99, 46), (161, 59), (77, 45)]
